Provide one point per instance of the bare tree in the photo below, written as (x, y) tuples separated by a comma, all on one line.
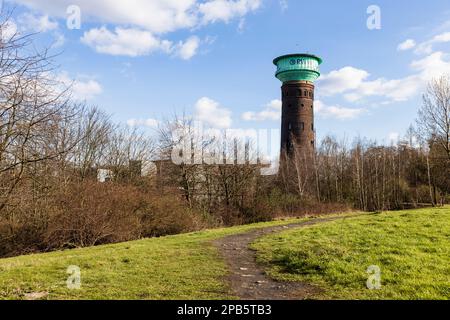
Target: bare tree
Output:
[(434, 116), (33, 105), (95, 130)]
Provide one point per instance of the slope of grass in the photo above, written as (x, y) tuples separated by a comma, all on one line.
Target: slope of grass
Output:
[(411, 248), (175, 267)]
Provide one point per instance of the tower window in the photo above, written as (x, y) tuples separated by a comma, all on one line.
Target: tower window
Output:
[(302, 126), (290, 126), (306, 93), (299, 93), (312, 106), (310, 94), (312, 144), (289, 145), (303, 105), (312, 126)]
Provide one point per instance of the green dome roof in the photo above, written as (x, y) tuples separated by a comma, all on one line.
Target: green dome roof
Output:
[(298, 67)]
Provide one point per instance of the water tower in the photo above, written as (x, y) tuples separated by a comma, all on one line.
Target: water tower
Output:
[(297, 72)]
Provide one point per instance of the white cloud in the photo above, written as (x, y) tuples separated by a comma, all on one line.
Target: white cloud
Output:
[(60, 40), (151, 123), (427, 46), (86, 90), (127, 42), (225, 10), (241, 25), (395, 90), (156, 16), (31, 22), (284, 5), (37, 23), (441, 38), (393, 137), (406, 45), (127, 71), (342, 80), (8, 30), (272, 111), (337, 112), (211, 113), (140, 24), (432, 66), (354, 84), (135, 42), (186, 50), (82, 89)]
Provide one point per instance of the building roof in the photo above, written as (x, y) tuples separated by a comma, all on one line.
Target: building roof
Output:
[(275, 61)]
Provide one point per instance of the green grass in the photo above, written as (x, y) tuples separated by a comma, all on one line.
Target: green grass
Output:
[(175, 267), (412, 249)]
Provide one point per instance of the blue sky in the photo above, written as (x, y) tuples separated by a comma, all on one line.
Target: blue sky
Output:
[(145, 60)]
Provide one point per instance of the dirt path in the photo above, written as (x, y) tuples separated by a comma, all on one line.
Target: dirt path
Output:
[(248, 279)]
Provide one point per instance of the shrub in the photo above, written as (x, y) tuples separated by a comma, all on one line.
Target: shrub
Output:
[(91, 213), (169, 214)]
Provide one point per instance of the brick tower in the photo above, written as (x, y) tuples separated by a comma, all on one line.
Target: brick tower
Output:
[(297, 72)]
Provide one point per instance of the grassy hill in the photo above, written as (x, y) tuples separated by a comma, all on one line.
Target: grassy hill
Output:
[(176, 267), (411, 248)]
